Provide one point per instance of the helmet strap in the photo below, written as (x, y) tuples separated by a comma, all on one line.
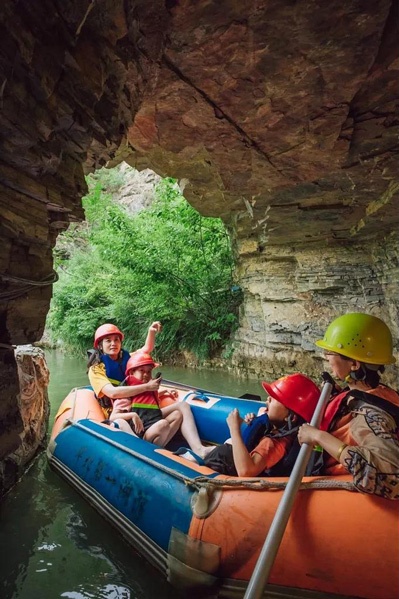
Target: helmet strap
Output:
[(290, 420), (357, 375)]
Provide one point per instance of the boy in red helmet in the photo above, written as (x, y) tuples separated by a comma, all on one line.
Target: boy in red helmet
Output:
[(145, 416), (292, 400)]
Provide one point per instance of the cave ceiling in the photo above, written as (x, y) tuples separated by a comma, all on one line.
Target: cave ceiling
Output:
[(281, 117)]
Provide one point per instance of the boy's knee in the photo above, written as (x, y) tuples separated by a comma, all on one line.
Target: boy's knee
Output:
[(176, 417), (184, 408), (158, 429), (163, 426)]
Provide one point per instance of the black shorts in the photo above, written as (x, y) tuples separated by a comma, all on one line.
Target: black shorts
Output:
[(149, 416), (221, 460)]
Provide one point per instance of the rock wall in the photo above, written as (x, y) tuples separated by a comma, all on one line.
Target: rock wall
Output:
[(24, 413), (292, 294), (138, 190)]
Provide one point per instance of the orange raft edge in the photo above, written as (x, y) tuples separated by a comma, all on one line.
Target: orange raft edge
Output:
[(338, 543)]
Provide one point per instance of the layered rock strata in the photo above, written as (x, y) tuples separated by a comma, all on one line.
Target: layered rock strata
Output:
[(279, 117)]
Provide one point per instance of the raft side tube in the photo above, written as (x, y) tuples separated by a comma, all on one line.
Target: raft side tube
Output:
[(210, 414), (80, 403), (175, 570), (235, 589), (130, 475), (131, 532)]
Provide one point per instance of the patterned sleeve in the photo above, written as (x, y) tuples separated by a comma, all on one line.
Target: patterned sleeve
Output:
[(373, 460)]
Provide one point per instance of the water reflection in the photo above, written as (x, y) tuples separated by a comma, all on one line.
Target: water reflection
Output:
[(53, 543), (110, 591)]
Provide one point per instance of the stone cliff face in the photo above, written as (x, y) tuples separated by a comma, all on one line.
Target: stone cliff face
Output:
[(24, 414), (291, 295), (279, 117)]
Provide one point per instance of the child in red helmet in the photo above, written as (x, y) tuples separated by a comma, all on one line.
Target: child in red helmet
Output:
[(156, 425), (145, 416), (106, 370), (292, 400)]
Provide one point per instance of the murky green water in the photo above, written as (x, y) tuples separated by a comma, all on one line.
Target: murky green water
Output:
[(53, 544)]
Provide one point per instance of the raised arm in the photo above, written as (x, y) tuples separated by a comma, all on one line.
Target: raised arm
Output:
[(153, 330), (246, 465)]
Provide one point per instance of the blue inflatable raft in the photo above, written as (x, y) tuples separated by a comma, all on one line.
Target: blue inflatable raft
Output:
[(204, 531)]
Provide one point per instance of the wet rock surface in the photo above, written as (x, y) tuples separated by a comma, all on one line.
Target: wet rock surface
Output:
[(279, 117), (25, 412)]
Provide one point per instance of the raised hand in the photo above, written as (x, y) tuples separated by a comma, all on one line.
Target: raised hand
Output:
[(249, 417), (153, 384), (234, 420), (155, 327)]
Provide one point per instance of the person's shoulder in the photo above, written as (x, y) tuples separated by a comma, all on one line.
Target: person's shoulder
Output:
[(266, 442), (97, 368)]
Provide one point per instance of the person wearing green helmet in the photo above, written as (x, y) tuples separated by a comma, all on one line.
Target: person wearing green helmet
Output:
[(359, 431)]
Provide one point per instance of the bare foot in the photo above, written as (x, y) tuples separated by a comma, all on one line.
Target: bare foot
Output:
[(188, 456), (205, 450)]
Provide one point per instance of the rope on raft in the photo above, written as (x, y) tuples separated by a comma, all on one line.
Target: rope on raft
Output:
[(255, 484), (261, 484)]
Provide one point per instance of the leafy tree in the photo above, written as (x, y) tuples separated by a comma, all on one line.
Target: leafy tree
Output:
[(165, 263)]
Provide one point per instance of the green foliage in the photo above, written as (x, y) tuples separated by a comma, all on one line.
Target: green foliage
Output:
[(165, 263)]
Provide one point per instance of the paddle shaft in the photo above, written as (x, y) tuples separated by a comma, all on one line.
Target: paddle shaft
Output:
[(273, 540), (191, 388)]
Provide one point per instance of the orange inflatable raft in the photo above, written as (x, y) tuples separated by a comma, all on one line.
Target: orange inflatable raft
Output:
[(205, 531)]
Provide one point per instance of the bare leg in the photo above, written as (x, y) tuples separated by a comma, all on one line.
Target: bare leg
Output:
[(175, 420), (188, 427), (124, 426), (158, 433)]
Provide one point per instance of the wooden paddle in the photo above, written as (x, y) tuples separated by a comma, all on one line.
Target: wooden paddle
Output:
[(273, 540)]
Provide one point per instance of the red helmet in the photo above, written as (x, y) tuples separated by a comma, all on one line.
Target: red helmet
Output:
[(138, 359), (296, 392), (104, 330)]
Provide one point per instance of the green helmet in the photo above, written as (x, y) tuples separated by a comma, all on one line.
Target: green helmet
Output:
[(359, 336)]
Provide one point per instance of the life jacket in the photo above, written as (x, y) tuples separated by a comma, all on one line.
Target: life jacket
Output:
[(338, 405), (260, 427), (147, 399), (115, 369), (285, 465), (255, 430)]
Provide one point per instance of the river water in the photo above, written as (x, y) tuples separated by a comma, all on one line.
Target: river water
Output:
[(53, 544)]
